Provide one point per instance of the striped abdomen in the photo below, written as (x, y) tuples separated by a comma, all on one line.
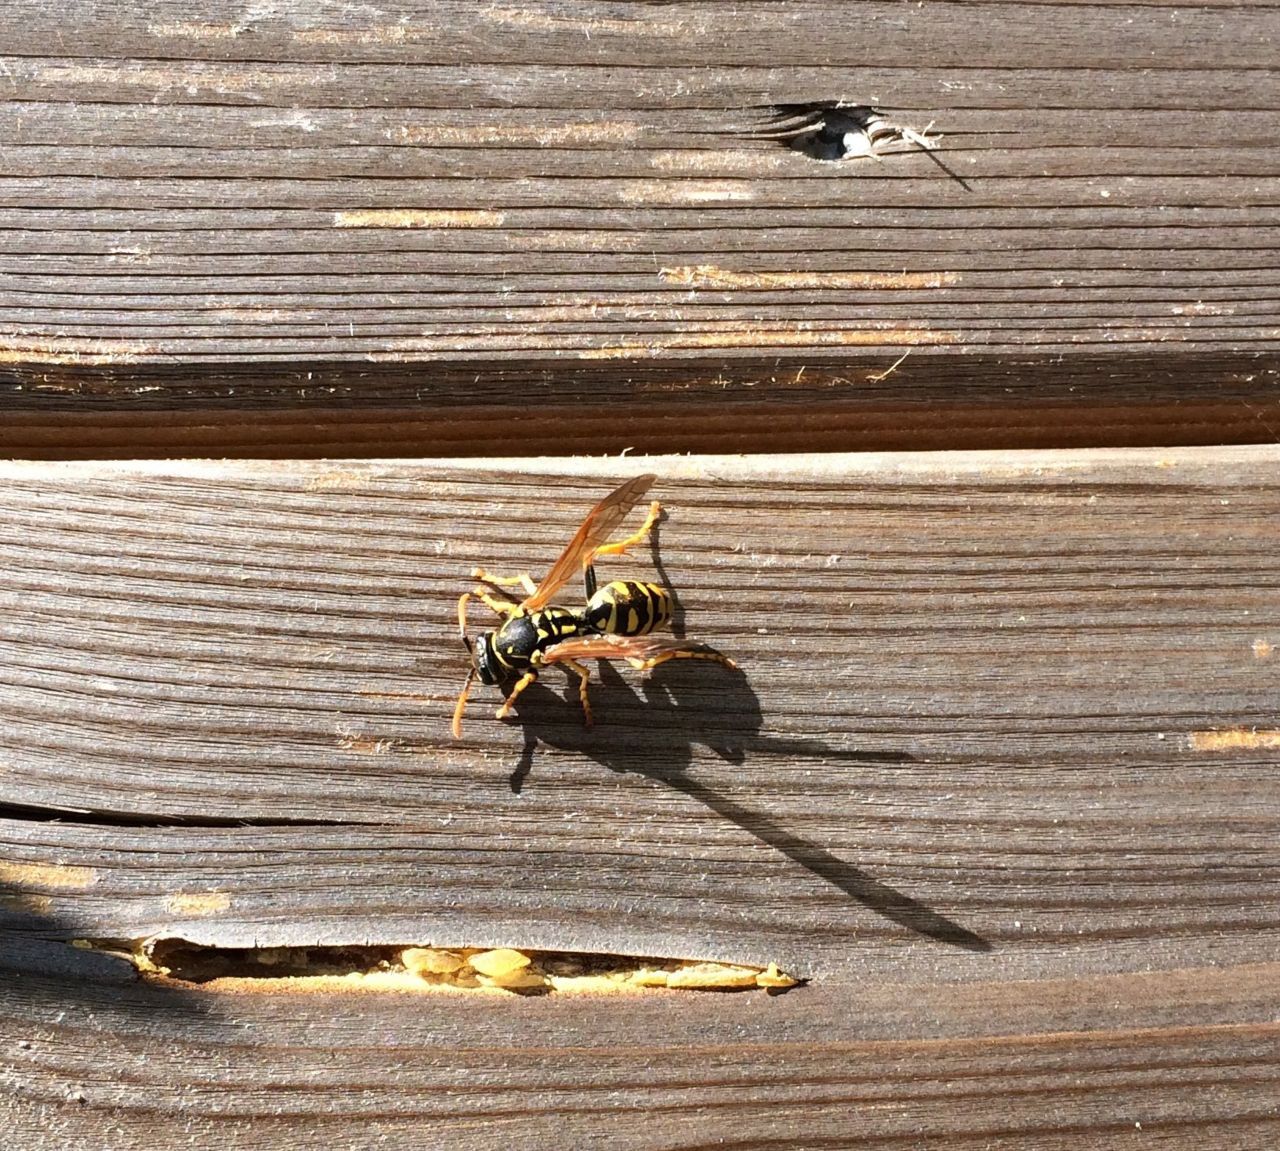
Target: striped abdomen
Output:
[(624, 607)]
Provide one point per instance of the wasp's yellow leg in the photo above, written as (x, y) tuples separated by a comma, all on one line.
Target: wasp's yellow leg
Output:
[(502, 607), (620, 548), (523, 682), (524, 579), (583, 675), (713, 656)]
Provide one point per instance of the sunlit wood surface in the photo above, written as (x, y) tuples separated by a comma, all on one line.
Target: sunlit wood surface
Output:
[(996, 777)]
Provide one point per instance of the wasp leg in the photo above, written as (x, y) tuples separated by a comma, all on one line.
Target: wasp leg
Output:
[(583, 675), (524, 579), (714, 656), (523, 682), (502, 607), (620, 548)]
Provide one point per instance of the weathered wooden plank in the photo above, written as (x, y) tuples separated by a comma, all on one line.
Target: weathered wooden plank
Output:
[(1081, 1064), (976, 708), (997, 776), (1101, 34), (228, 187)]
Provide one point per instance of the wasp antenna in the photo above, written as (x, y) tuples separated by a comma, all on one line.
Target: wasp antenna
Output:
[(461, 705), (462, 616)]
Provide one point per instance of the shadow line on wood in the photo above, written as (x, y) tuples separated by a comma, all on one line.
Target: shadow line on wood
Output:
[(674, 720)]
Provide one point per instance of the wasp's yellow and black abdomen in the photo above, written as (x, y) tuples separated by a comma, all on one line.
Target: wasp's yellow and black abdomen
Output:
[(625, 607)]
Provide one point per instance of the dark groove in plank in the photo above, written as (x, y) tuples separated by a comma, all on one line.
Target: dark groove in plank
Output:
[(29, 813)]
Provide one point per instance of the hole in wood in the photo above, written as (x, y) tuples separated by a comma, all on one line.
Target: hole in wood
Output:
[(424, 968), (834, 130)]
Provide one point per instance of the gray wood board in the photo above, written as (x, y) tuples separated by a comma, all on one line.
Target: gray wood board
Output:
[(994, 713), (288, 189), (1086, 1063)]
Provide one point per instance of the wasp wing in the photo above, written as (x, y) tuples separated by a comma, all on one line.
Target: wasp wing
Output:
[(637, 650), (596, 530)]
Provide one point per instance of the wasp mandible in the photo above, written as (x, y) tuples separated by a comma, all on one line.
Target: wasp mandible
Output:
[(614, 624)]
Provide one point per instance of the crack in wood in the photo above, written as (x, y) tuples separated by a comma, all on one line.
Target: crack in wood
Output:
[(418, 969), (32, 813)]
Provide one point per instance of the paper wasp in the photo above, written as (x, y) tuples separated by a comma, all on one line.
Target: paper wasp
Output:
[(614, 624)]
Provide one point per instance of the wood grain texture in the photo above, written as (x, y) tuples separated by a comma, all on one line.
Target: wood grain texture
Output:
[(741, 1072), (213, 218), (997, 774), (962, 783)]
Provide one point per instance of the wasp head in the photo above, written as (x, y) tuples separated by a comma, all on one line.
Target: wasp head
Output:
[(482, 658), (484, 666)]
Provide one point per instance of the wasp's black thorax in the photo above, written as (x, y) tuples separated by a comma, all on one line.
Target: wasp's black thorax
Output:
[(511, 649)]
